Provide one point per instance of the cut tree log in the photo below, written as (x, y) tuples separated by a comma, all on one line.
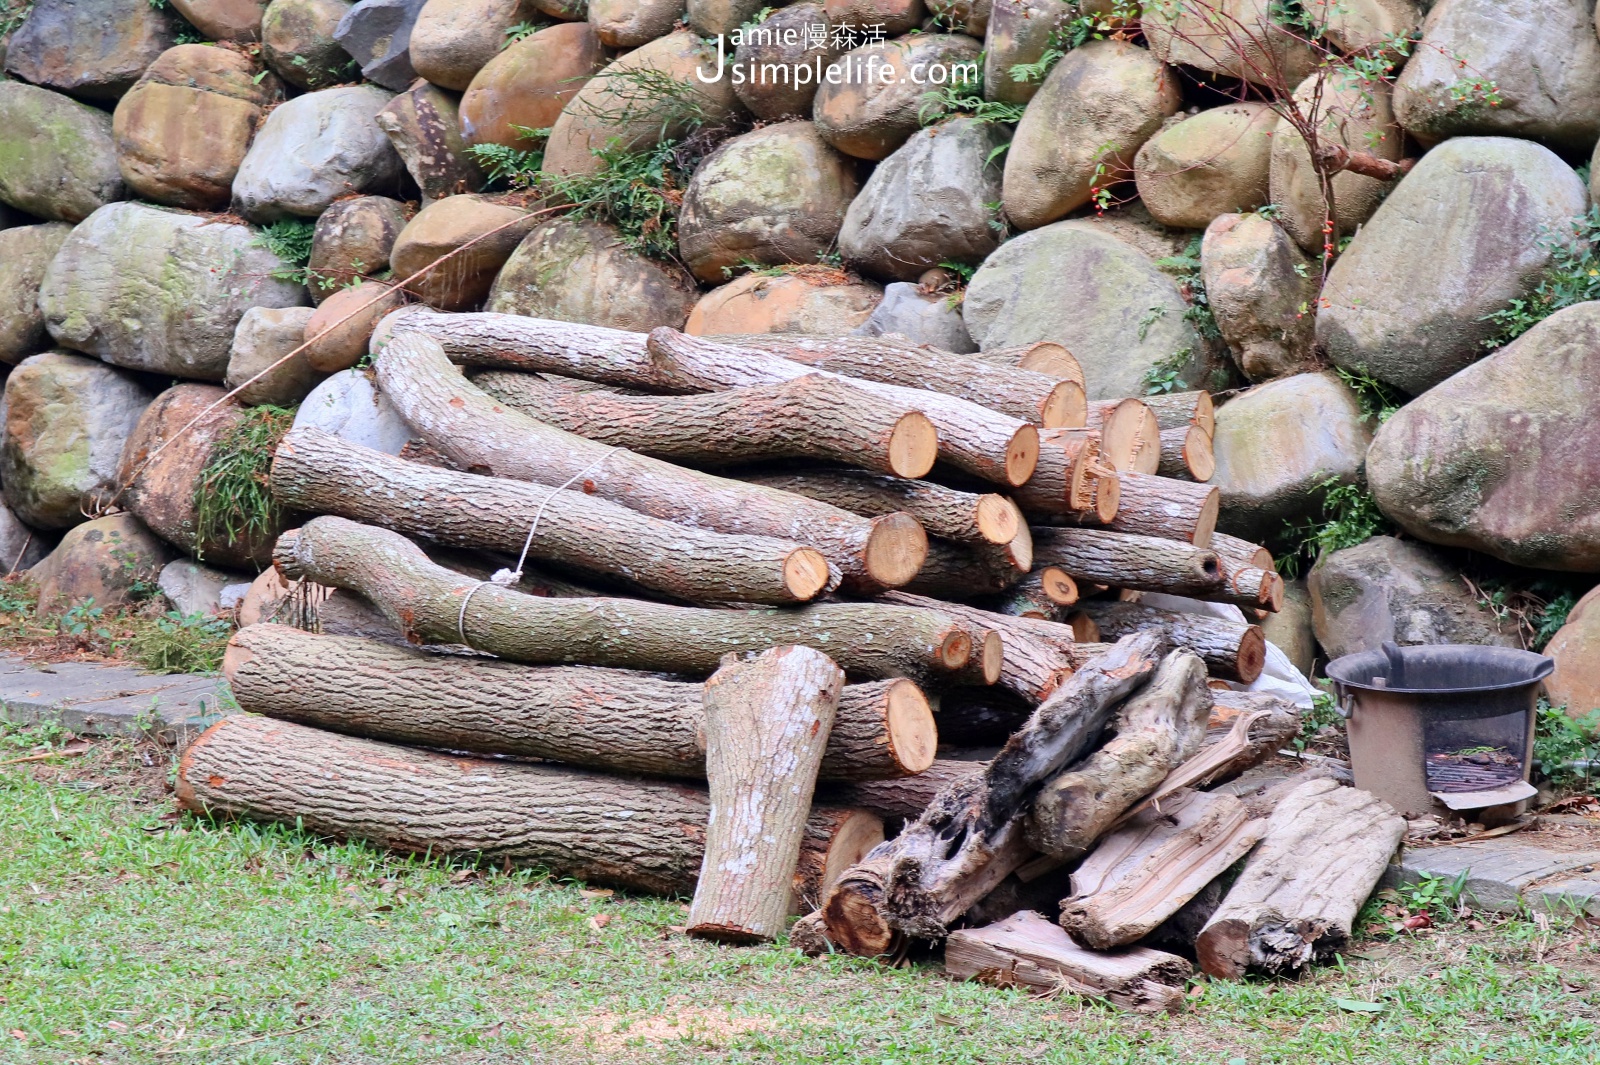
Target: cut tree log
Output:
[(983, 442), (1126, 560), (968, 517), (904, 797), (810, 417), (432, 604), (767, 719), (1187, 454), (1231, 651), (1160, 506), (639, 834), (1067, 478), (1324, 850), (1129, 432), (1031, 666), (954, 570), (1159, 727), (612, 719), (315, 472), (1027, 950), (483, 436), (1042, 356), (1043, 593), (835, 838), (1246, 729), (1149, 869), (1237, 553), (1174, 409), (1250, 589)]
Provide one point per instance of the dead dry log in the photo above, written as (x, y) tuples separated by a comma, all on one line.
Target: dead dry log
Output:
[(1160, 506), (1157, 728), (612, 719), (1126, 560), (968, 517), (640, 834), (835, 838), (767, 719), (484, 436), (432, 604), (1147, 870), (315, 472), (1129, 432), (1324, 850), (1175, 409), (1186, 454), (1028, 950), (809, 935), (810, 417), (1231, 651), (905, 797)]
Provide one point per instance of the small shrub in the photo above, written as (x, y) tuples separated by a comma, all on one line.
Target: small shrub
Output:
[(639, 192), (181, 643), (1185, 269), (1076, 32), (233, 500), (1378, 401), (290, 240), (964, 96), (1350, 516), (1566, 750), (507, 167)]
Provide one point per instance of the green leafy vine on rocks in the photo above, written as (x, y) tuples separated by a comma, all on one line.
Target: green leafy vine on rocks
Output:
[(639, 192), (506, 167), (1573, 276), (1350, 516), (232, 496), (1378, 401), (964, 96), (1075, 33)]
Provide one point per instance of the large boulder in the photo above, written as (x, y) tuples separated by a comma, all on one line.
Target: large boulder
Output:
[(920, 317), (1262, 290), (352, 241), (339, 332), (1277, 443), (1019, 33), (156, 290), (1355, 25), (424, 125), (709, 18), (1217, 162), (111, 561), (224, 20), (25, 254), (1291, 627), (1540, 56), (66, 419), (1504, 457), (184, 128), (526, 86), (870, 99), (1576, 648), (1465, 233), (377, 34), (609, 110), (95, 49), (928, 203), (453, 39), (315, 149), (1388, 589), (21, 547), (814, 300), (58, 159), (630, 23), (777, 60), (773, 196), (1099, 296), (462, 281), (191, 588), (582, 271), (349, 406), (265, 335), (891, 17), (1234, 38), (297, 42), (1083, 129)]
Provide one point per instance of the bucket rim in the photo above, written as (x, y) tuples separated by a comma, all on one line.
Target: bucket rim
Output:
[(1543, 666)]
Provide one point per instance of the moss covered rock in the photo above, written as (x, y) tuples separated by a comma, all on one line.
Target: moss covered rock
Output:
[(779, 59), (109, 560), (453, 39), (526, 86), (297, 42), (462, 281), (352, 241), (25, 254), (1217, 162), (58, 159), (872, 96), (264, 337), (1262, 290)]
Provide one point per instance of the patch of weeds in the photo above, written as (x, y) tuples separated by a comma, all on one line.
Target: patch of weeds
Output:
[(1537, 608), (964, 96), (1073, 34), (679, 106), (1437, 896), (1378, 401), (1566, 750), (233, 500), (506, 167), (755, 20), (83, 621), (638, 191), (1293, 15), (181, 643), (1185, 269), (1166, 375), (290, 240), (519, 31), (13, 13), (1319, 724), (1573, 276), (1350, 516)]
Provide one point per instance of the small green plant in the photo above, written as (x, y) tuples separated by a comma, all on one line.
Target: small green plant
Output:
[(638, 191), (1166, 375), (1350, 516), (964, 96), (1185, 269), (1324, 714), (507, 167), (181, 643), (1437, 896), (1573, 276), (1075, 33), (518, 32), (1566, 750), (13, 13), (290, 240), (232, 498), (83, 622), (1378, 401)]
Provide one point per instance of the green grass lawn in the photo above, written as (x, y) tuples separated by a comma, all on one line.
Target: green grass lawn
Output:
[(129, 934)]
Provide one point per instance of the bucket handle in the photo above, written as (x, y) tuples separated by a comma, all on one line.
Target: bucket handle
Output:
[(1344, 700)]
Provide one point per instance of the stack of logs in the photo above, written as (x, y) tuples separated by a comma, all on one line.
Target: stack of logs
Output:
[(709, 615)]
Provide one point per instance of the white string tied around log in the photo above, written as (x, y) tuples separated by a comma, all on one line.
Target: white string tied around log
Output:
[(505, 578)]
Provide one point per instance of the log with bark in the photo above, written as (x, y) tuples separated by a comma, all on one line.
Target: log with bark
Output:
[(641, 834), (1031, 665), (1175, 409), (835, 838), (612, 719), (1231, 651), (1250, 589), (1126, 560), (810, 417), (1128, 430), (967, 517), (954, 570), (1160, 506), (1147, 870), (315, 472), (767, 719), (1237, 553), (432, 604), (1324, 850), (1186, 453), (904, 797), (1042, 356), (484, 436), (1027, 950), (1045, 593), (1068, 477)]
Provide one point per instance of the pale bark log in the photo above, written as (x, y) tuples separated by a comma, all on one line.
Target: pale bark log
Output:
[(1159, 727), (484, 436), (1067, 479), (1129, 433), (537, 345), (612, 719), (1160, 506), (1260, 590), (1325, 848), (1231, 651), (1044, 593), (767, 719), (1030, 666), (905, 797), (1126, 560), (1236, 553), (1186, 454), (431, 604), (1246, 729), (1174, 409), (1027, 950), (639, 834), (1043, 356), (969, 517), (812, 417)]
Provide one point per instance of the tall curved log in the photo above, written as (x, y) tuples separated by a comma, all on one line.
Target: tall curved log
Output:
[(969, 517), (1145, 563)]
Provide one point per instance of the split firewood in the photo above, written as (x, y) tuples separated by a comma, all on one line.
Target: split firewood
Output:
[(432, 604), (634, 833), (1030, 666), (482, 435), (904, 797), (613, 719), (1027, 950), (1325, 848), (968, 517), (1086, 634), (1186, 453), (1147, 870), (1159, 727), (1127, 427), (1174, 409), (767, 719), (1160, 506), (1231, 651), (1042, 356), (318, 473), (1126, 560), (983, 442), (1044, 593), (810, 417), (1067, 479)]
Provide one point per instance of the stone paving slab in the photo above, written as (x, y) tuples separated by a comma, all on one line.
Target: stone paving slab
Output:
[(108, 699), (1506, 872)]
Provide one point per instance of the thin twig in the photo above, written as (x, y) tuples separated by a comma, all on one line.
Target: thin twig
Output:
[(239, 1042), (65, 752)]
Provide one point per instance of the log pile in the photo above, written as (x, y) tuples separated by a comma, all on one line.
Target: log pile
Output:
[(694, 616)]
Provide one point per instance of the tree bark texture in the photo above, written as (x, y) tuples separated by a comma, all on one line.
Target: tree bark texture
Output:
[(1261, 590), (953, 569), (767, 719), (905, 797), (315, 472), (1186, 454), (1030, 666), (1128, 428), (1160, 506), (1231, 651), (1127, 560), (1324, 850), (1174, 409), (1236, 553), (639, 834), (1064, 481), (484, 436), (1043, 593), (613, 719), (431, 604), (968, 517), (811, 417)]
